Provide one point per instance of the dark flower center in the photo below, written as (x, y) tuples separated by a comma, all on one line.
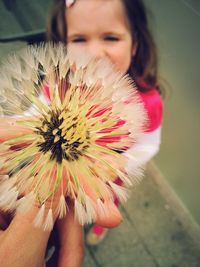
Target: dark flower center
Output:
[(64, 134)]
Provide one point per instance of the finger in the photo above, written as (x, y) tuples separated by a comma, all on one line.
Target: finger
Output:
[(71, 241), (113, 217)]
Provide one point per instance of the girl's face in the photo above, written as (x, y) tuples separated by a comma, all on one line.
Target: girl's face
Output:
[(101, 27)]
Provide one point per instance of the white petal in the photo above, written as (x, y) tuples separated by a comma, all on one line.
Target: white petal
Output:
[(101, 209), (121, 192), (8, 199), (62, 207), (91, 214), (38, 221), (80, 213), (48, 224)]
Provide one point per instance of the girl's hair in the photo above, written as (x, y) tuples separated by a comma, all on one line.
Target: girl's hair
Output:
[(144, 65)]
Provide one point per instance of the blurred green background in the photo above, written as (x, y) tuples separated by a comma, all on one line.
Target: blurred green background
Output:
[(176, 25)]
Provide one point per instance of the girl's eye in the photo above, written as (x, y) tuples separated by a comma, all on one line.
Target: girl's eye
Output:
[(78, 40), (111, 38)]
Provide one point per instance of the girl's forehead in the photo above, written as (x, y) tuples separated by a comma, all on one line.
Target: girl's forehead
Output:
[(99, 13)]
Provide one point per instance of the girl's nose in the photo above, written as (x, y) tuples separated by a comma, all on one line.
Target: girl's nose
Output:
[(97, 50)]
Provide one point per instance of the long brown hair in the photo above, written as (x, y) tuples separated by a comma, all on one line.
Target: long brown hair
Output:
[(56, 28), (144, 66)]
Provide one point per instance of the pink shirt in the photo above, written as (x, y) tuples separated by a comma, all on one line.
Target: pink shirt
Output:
[(154, 106)]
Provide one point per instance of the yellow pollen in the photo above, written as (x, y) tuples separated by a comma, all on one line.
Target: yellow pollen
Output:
[(63, 133), (71, 141), (48, 118), (69, 133), (41, 138), (44, 128), (65, 124), (65, 116), (54, 132), (63, 146), (80, 147), (56, 138)]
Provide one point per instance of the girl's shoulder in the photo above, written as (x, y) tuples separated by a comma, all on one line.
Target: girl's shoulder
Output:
[(153, 104)]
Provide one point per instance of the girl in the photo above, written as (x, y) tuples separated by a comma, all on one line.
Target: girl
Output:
[(117, 30)]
